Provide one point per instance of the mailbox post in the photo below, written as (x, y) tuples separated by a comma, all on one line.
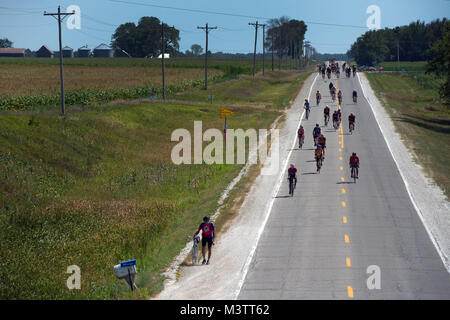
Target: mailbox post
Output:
[(127, 270)]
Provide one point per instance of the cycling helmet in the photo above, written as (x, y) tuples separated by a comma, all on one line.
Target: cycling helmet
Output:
[(317, 125), (354, 154), (206, 218), (292, 165)]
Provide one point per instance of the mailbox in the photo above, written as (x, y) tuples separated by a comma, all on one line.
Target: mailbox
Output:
[(127, 270)]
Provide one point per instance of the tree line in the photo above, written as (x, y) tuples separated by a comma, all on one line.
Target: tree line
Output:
[(411, 42)]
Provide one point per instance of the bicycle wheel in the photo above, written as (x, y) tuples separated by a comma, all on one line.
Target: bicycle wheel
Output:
[(194, 254)]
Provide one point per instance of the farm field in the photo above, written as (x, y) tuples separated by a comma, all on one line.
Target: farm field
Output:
[(44, 78), (98, 186), (33, 83)]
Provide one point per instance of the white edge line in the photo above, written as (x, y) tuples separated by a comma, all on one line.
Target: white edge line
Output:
[(419, 213), (269, 210)]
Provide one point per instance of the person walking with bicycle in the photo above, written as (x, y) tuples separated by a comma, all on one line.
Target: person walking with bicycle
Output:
[(208, 233)]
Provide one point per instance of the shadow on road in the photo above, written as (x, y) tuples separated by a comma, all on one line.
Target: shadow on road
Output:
[(277, 197), (345, 182), (308, 173)]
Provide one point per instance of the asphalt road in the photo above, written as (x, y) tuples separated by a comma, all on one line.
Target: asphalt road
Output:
[(320, 243)]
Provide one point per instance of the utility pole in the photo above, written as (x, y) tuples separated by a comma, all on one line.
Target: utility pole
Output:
[(254, 51), (61, 16), (264, 42), (272, 48), (206, 28), (162, 60), (280, 52), (398, 56)]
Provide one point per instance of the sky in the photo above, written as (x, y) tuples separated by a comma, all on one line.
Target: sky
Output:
[(23, 22)]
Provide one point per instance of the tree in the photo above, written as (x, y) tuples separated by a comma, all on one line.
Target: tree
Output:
[(196, 49), (287, 35), (5, 43), (145, 38), (440, 62)]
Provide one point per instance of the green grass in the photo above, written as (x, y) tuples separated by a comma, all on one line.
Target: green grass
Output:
[(98, 187), (421, 118), (420, 66)]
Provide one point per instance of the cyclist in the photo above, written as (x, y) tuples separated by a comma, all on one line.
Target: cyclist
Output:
[(307, 108), (316, 133), (338, 72), (339, 115), (354, 70), (208, 233), (331, 85), (340, 96), (292, 174), (355, 95), (351, 120), (318, 97), (354, 163), (323, 73), (318, 154), (301, 136), (326, 114), (335, 119), (333, 93), (322, 141)]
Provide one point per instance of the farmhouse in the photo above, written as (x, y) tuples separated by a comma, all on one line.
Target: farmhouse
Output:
[(45, 52), (12, 52)]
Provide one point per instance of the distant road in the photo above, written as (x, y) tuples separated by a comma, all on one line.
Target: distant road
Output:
[(320, 243)]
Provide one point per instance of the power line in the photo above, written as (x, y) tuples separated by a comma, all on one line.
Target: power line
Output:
[(228, 14)]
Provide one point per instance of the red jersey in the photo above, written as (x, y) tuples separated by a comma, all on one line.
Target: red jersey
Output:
[(354, 159), (301, 132), (292, 172)]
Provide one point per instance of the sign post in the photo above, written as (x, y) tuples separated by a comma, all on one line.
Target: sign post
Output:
[(224, 113), (127, 270)]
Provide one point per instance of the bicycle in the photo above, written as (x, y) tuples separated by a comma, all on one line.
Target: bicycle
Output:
[(326, 119), (317, 101), (318, 163), (301, 140), (195, 242), (351, 127), (307, 114), (354, 176), (292, 186), (355, 99)]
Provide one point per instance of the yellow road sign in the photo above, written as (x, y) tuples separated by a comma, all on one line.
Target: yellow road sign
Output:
[(225, 112)]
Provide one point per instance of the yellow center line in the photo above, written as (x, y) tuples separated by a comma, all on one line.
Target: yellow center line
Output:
[(343, 190), (341, 168), (346, 239), (348, 262), (340, 158), (344, 219), (350, 292), (344, 204), (342, 179)]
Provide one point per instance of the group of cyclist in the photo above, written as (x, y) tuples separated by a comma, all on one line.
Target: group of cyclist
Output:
[(318, 137), (333, 67)]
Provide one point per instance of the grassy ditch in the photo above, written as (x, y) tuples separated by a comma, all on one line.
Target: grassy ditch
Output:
[(421, 118)]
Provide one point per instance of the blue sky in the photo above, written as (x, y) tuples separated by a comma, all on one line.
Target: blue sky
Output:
[(22, 21)]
